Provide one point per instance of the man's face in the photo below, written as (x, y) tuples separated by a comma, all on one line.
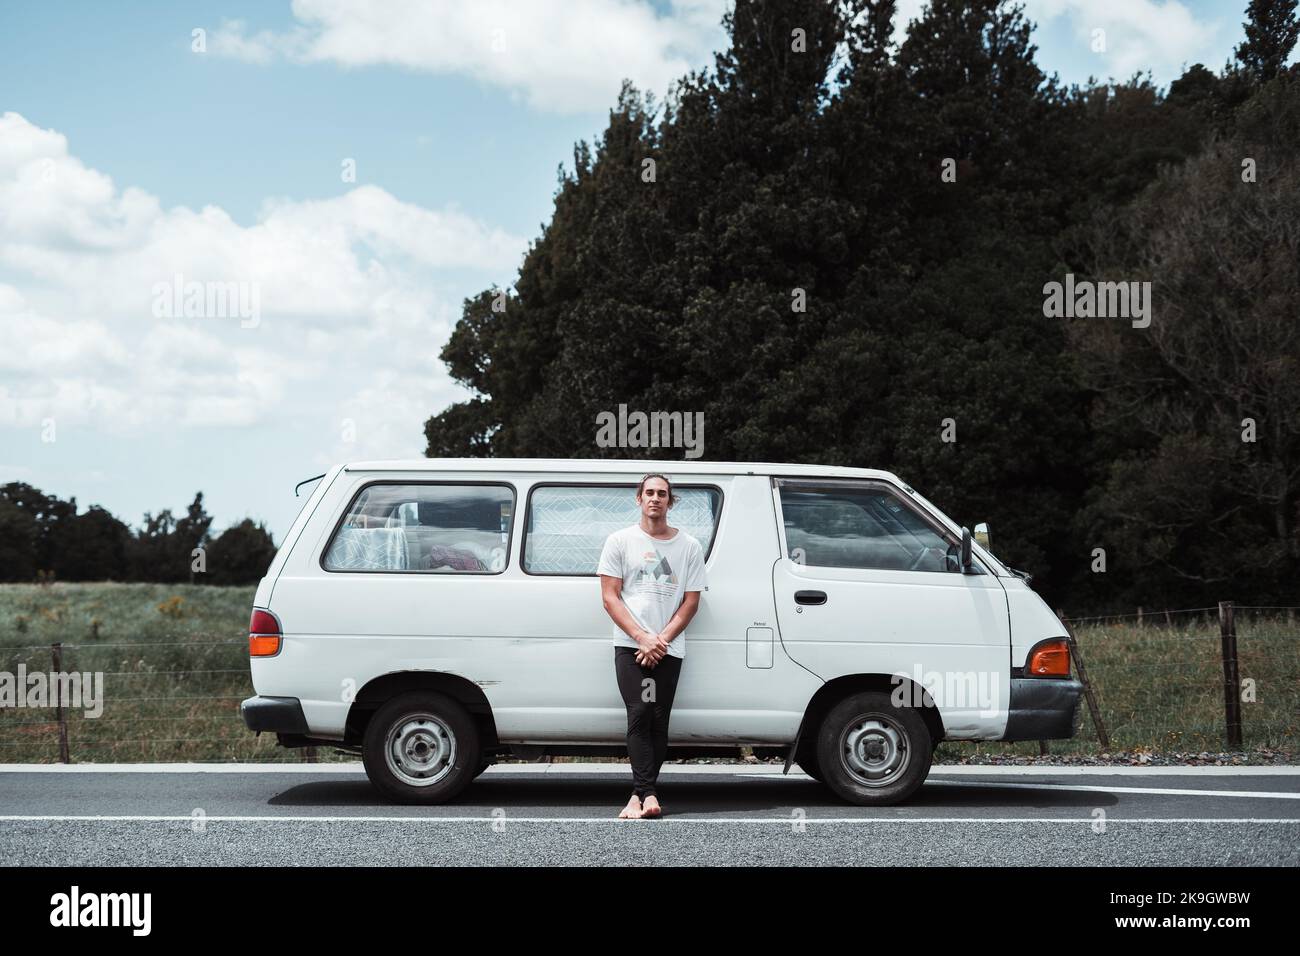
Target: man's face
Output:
[(653, 498)]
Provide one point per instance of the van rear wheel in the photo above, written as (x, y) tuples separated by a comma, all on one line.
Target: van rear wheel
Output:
[(422, 748), (871, 752)]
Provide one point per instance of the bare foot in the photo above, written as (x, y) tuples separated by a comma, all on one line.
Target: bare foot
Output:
[(633, 809), (651, 807)]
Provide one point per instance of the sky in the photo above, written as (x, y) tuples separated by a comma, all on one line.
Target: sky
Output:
[(235, 236)]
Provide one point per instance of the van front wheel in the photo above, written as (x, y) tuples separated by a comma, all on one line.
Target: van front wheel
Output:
[(871, 752), (422, 748)]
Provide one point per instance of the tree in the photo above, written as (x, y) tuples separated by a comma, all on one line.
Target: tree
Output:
[(191, 533), (40, 533), (19, 534), (782, 246), (163, 548), (94, 547), (240, 554), (1271, 33), (149, 553), (40, 522), (1198, 410)]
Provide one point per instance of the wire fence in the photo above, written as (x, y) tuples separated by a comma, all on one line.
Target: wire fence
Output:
[(1202, 679), (163, 701), (1188, 680)]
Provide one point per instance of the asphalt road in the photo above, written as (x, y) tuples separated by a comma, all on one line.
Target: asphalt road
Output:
[(565, 814)]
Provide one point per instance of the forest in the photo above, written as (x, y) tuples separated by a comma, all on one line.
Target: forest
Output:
[(840, 249)]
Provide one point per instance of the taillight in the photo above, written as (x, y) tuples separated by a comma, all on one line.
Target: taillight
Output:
[(263, 634), (1049, 659)]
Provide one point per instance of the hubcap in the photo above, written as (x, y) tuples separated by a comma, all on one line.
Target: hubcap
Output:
[(874, 749), (420, 750)]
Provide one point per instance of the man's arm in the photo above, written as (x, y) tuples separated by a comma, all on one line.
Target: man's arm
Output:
[(611, 593), (677, 623), (695, 583)]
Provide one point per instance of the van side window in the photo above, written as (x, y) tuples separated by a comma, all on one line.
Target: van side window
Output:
[(860, 527), (434, 528), (568, 524)]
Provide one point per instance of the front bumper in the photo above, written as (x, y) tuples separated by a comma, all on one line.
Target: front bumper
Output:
[(278, 715), (1042, 708)]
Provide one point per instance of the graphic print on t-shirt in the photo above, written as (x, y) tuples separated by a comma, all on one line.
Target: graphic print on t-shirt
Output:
[(656, 574)]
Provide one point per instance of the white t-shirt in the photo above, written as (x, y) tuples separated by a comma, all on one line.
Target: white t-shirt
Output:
[(656, 575)]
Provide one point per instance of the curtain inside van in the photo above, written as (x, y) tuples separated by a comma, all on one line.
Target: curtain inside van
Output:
[(568, 525), (368, 549)]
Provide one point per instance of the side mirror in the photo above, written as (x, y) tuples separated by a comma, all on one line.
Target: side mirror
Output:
[(965, 550), (982, 536)]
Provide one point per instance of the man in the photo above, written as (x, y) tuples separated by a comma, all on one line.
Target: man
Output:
[(651, 576)]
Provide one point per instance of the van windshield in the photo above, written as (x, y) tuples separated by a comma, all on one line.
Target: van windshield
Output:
[(997, 566)]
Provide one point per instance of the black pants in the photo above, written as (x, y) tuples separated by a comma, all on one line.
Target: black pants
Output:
[(649, 706)]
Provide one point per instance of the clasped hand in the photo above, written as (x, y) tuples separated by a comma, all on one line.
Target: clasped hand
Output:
[(651, 657)]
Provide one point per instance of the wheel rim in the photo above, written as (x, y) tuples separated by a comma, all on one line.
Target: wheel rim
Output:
[(420, 750), (874, 749)]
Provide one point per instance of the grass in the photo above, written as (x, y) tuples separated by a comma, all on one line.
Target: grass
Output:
[(175, 666), (1160, 688)]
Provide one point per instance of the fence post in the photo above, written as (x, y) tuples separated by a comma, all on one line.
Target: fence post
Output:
[(1088, 694), (1231, 681), (56, 651), (309, 755)]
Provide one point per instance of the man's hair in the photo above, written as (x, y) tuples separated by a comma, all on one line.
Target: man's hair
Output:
[(672, 498)]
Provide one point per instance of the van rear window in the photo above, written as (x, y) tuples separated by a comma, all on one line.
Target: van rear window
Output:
[(431, 528), (568, 524)]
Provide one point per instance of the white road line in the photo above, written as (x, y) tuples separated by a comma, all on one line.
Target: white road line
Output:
[(1290, 770), (741, 770), (181, 768), (1118, 788), (787, 821)]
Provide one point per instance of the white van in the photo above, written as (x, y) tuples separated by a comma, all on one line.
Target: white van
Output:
[(435, 614)]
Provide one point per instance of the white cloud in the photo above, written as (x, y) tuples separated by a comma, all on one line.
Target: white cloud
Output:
[(1160, 35), (232, 40), (571, 55), (904, 14), (343, 287), (1163, 36), (562, 56)]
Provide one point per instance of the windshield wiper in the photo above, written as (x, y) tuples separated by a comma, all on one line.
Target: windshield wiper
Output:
[(1023, 575)]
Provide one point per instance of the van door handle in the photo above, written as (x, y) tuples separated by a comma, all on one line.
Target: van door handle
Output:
[(809, 597)]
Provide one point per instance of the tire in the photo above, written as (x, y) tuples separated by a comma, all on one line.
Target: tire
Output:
[(872, 753), (421, 748), (482, 767)]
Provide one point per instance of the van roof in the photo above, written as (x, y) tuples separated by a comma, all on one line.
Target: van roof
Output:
[(619, 465)]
